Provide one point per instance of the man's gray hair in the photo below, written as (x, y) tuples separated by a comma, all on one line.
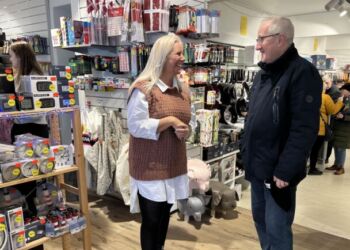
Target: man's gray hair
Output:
[(281, 25)]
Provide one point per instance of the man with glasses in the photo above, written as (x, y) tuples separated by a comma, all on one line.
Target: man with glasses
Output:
[(280, 129)]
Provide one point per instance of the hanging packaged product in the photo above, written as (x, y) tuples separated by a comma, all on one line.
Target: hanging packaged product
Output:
[(136, 34), (114, 21), (201, 53), (202, 21), (124, 62), (56, 37), (156, 15), (15, 219), (173, 19), (200, 76), (18, 239), (42, 101), (125, 24), (187, 20), (214, 20)]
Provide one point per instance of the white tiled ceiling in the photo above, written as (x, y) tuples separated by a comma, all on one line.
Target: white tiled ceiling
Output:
[(282, 7)]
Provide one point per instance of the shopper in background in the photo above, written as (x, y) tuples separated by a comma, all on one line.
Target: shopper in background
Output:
[(158, 118), (280, 129), (333, 91), (328, 107), (24, 62), (341, 133)]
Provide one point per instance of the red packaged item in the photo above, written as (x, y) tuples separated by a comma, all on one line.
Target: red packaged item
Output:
[(156, 15)]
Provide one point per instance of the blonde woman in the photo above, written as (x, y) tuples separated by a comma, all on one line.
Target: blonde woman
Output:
[(158, 118)]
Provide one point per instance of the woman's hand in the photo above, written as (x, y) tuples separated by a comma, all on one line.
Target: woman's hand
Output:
[(339, 116), (182, 132)]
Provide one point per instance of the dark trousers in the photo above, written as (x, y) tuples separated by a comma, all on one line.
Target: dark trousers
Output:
[(273, 224), (329, 148), (155, 222), (28, 189), (315, 151)]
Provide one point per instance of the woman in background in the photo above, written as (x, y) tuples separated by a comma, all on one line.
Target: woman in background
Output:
[(24, 62), (158, 116)]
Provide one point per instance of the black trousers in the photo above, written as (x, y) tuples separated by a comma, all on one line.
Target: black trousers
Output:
[(28, 189), (155, 223), (315, 150)]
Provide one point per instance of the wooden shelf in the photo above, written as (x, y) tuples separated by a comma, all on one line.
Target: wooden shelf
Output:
[(39, 177), (35, 243), (32, 113)]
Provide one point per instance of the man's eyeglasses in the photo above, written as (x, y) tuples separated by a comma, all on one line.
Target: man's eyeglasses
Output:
[(260, 39)]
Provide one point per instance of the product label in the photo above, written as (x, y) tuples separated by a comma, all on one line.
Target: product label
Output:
[(18, 219), (45, 151), (52, 87), (68, 75), (71, 101), (49, 165), (38, 104), (2, 227), (11, 103), (10, 78), (54, 193), (16, 172), (71, 89), (20, 239), (29, 153), (35, 172), (32, 234)]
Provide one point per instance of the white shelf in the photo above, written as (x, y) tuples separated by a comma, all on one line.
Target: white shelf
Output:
[(222, 156)]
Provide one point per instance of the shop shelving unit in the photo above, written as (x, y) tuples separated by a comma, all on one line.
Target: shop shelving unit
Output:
[(79, 167)]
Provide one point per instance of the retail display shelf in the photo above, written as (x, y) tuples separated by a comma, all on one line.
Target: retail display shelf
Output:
[(34, 243), (31, 113), (222, 156), (201, 35), (41, 176), (239, 176)]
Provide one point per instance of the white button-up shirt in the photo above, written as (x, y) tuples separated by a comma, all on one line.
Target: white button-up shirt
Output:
[(140, 125)]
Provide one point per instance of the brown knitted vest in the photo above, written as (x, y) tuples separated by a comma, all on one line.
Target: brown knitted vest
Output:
[(166, 157)]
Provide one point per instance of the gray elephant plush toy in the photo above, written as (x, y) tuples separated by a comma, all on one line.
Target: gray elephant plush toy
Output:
[(223, 198), (194, 206)]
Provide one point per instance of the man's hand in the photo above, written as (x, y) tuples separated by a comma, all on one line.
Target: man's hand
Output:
[(280, 183)]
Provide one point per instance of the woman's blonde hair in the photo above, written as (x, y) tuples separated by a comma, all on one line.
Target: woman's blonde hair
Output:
[(157, 58)]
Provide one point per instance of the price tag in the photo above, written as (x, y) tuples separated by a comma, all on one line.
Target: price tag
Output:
[(18, 219), (45, 151), (49, 165), (35, 172), (29, 153), (71, 89), (2, 227), (38, 104), (52, 87), (68, 75), (20, 239), (16, 172), (32, 234), (72, 101), (10, 78), (11, 103)]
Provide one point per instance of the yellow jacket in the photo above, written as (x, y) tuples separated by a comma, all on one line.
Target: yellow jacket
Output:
[(328, 107)]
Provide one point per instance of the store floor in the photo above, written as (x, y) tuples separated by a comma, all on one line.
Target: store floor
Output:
[(322, 222), (323, 202)]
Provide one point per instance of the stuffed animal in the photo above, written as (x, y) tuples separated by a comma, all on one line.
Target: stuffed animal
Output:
[(223, 198), (199, 173), (193, 206)]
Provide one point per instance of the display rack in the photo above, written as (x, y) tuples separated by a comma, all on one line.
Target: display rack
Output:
[(79, 167)]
